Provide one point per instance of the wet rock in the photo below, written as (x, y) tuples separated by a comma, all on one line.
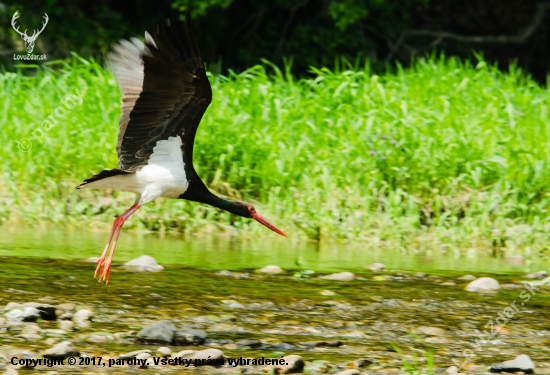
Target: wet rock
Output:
[(351, 371), (190, 336), (467, 277), (164, 351), (432, 331), (28, 314), (157, 333), (360, 363), (327, 293), (82, 316), (293, 364), (66, 325), (452, 370), (97, 339), (62, 350), (252, 343), (144, 263), (376, 267), (483, 285), (319, 344), (133, 354), (520, 363), (272, 270), (224, 273), (341, 276), (537, 275), (185, 353), (13, 305), (47, 312)]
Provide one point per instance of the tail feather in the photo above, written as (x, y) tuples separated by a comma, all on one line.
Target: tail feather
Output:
[(101, 175)]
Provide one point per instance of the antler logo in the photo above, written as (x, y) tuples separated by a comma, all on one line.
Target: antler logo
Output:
[(29, 40)]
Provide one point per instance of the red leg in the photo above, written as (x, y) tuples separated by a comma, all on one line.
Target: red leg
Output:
[(104, 266)]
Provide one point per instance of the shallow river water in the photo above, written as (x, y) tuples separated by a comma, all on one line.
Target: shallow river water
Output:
[(387, 317)]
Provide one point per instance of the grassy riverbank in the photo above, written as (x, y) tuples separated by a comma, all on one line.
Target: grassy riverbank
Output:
[(442, 153)]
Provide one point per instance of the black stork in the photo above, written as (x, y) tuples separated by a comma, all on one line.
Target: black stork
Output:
[(165, 92)]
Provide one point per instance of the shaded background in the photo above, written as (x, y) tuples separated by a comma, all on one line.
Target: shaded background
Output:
[(236, 34)]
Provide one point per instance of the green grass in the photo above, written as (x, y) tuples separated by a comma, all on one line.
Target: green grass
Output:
[(441, 153)]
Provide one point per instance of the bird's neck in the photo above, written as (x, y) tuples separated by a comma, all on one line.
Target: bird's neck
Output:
[(200, 193)]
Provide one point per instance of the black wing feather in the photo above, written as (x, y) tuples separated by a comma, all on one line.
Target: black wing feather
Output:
[(165, 92)]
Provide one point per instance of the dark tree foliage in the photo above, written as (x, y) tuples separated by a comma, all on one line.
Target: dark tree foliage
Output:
[(239, 33)]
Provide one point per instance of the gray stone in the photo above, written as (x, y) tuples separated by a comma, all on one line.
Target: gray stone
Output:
[(13, 305), (293, 364), (431, 331), (252, 343), (28, 314), (537, 275), (83, 315), (319, 344), (190, 336), (62, 350), (133, 354), (341, 276), (144, 263), (376, 267), (521, 363), (272, 269), (483, 285), (47, 312), (164, 351), (66, 325), (161, 332)]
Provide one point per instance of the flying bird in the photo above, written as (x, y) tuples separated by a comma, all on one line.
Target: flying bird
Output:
[(165, 92)]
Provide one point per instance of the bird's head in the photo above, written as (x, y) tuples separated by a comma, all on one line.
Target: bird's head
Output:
[(248, 211)]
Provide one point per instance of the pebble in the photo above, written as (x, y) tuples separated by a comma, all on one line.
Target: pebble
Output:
[(293, 364), (420, 275), (13, 305), (28, 314), (521, 363), (97, 339), (66, 325), (157, 333), (341, 276), (327, 293), (164, 351), (362, 362), (252, 343), (483, 285), (272, 270), (318, 344), (376, 267), (224, 273), (83, 315), (144, 263), (432, 331), (47, 312), (133, 354), (190, 336), (448, 283), (452, 370), (62, 350), (537, 275)]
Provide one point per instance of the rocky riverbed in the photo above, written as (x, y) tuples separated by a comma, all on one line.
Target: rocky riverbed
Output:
[(373, 321)]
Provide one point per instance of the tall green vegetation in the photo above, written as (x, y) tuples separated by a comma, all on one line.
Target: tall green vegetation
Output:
[(442, 150)]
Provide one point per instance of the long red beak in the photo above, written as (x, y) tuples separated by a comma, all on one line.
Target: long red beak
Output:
[(263, 221)]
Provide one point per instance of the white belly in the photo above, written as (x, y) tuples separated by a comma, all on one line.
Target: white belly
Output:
[(163, 176)]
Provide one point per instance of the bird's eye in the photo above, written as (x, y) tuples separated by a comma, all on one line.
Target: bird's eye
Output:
[(251, 210)]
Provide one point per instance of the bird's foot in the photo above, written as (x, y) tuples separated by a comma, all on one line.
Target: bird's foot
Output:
[(103, 270)]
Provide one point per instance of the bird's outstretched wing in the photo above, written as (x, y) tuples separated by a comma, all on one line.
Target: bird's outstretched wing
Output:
[(165, 91)]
